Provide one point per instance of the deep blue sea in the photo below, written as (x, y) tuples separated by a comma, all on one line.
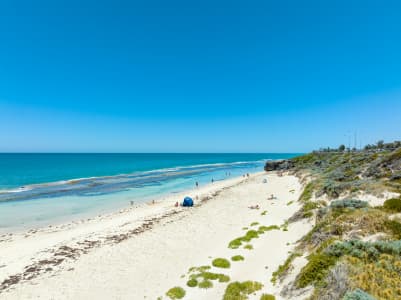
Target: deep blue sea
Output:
[(41, 189)]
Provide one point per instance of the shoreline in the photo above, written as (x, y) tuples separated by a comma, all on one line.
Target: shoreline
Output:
[(40, 257), (159, 201)]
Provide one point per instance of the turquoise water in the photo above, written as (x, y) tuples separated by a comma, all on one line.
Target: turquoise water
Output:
[(41, 189)]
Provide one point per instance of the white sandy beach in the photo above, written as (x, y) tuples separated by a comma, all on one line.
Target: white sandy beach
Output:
[(141, 252)]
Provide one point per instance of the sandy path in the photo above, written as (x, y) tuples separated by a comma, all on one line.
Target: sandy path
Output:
[(146, 265)]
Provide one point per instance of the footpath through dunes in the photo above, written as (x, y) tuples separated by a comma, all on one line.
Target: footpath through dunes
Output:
[(147, 265)]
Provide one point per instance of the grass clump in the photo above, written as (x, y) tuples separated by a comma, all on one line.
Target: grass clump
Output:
[(241, 290), (267, 297), (235, 244), (315, 270), (250, 234), (268, 228), (176, 293), (248, 247), (237, 258), (192, 282), (221, 263), (254, 224), (205, 284), (264, 213), (307, 193), (202, 274), (284, 268), (289, 203), (224, 278), (199, 269), (393, 204)]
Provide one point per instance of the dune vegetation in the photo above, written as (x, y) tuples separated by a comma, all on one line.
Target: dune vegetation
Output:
[(354, 248)]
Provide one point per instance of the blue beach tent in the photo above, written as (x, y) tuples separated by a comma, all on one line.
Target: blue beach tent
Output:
[(188, 202)]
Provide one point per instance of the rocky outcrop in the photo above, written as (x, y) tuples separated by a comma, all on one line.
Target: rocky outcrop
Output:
[(278, 165)]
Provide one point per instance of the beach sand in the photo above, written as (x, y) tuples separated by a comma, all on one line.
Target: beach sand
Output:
[(141, 252)]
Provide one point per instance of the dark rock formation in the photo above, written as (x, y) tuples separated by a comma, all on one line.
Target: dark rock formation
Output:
[(278, 165)]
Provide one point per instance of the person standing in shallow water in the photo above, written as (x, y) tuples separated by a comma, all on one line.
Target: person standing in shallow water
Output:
[(197, 184)]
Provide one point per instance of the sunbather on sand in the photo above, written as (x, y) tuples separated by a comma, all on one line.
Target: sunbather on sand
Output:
[(254, 206), (271, 197)]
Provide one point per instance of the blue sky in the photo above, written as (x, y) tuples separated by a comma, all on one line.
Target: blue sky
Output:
[(207, 76)]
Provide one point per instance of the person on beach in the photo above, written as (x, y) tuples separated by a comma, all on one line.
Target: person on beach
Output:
[(254, 206), (176, 204), (212, 180), (197, 184)]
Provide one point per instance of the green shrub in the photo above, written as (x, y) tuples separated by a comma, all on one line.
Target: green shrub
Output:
[(176, 293), (264, 213), (348, 203), (289, 203), (192, 282), (221, 263), (358, 294), (315, 270), (237, 258), (241, 290), (205, 284), (394, 227), (361, 249), (393, 204), (254, 223), (267, 297)]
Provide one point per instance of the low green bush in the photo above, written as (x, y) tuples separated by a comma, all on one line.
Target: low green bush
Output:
[(240, 290), (237, 258), (192, 282), (221, 263), (176, 293), (393, 204)]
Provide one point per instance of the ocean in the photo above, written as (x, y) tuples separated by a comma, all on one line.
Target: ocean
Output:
[(41, 189)]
